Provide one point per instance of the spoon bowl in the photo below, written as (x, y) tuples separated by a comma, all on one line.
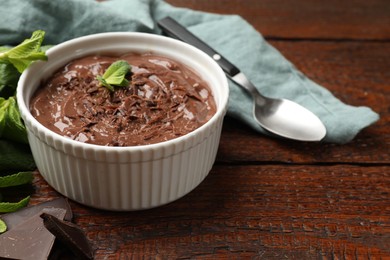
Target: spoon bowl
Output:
[(282, 117)]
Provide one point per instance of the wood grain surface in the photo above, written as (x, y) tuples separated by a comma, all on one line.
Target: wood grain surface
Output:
[(306, 19), (272, 199)]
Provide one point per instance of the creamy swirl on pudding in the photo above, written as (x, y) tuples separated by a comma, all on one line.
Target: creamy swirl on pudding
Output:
[(164, 100)]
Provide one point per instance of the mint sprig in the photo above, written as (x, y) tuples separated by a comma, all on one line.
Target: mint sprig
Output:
[(115, 75), (15, 155)]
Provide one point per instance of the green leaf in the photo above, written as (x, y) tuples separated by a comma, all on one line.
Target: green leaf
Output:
[(5, 48), (9, 77), (11, 125), (21, 63), (28, 46), (104, 83), (6, 207), (8, 74), (16, 179), (23, 54), (17, 157), (3, 226), (115, 75), (116, 72)]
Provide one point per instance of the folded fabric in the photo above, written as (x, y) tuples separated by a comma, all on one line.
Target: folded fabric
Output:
[(272, 74)]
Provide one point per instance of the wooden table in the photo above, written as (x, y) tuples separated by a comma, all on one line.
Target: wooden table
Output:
[(272, 199)]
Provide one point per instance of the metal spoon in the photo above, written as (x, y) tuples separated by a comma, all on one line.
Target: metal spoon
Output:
[(279, 116)]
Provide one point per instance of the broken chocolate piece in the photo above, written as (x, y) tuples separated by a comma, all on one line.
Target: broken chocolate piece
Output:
[(30, 239), (70, 235), (15, 218)]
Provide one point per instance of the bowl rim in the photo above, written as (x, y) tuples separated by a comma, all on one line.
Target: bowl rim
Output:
[(26, 114)]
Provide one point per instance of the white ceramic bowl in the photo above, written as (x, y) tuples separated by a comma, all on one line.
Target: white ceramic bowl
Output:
[(124, 178)]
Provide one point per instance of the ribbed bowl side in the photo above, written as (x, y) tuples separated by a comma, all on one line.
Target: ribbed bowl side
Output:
[(128, 186)]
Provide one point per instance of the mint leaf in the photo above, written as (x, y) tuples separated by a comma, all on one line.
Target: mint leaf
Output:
[(104, 83), (8, 74), (11, 125), (28, 46), (17, 157), (23, 54), (9, 77), (4, 48), (3, 226), (6, 207), (22, 63), (16, 179), (115, 75)]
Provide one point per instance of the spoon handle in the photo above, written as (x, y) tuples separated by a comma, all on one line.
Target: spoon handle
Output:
[(173, 29)]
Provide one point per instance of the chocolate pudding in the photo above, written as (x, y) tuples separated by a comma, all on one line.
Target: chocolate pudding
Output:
[(164, 100)]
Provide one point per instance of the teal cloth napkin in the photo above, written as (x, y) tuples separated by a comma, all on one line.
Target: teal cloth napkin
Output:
[(273, 75)]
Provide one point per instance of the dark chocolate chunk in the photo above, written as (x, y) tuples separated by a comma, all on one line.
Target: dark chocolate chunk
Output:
[(70, 235), (30, 239)]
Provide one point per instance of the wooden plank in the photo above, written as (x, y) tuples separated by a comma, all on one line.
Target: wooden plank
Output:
[(245, 146), (253, 211), (332, 19)]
